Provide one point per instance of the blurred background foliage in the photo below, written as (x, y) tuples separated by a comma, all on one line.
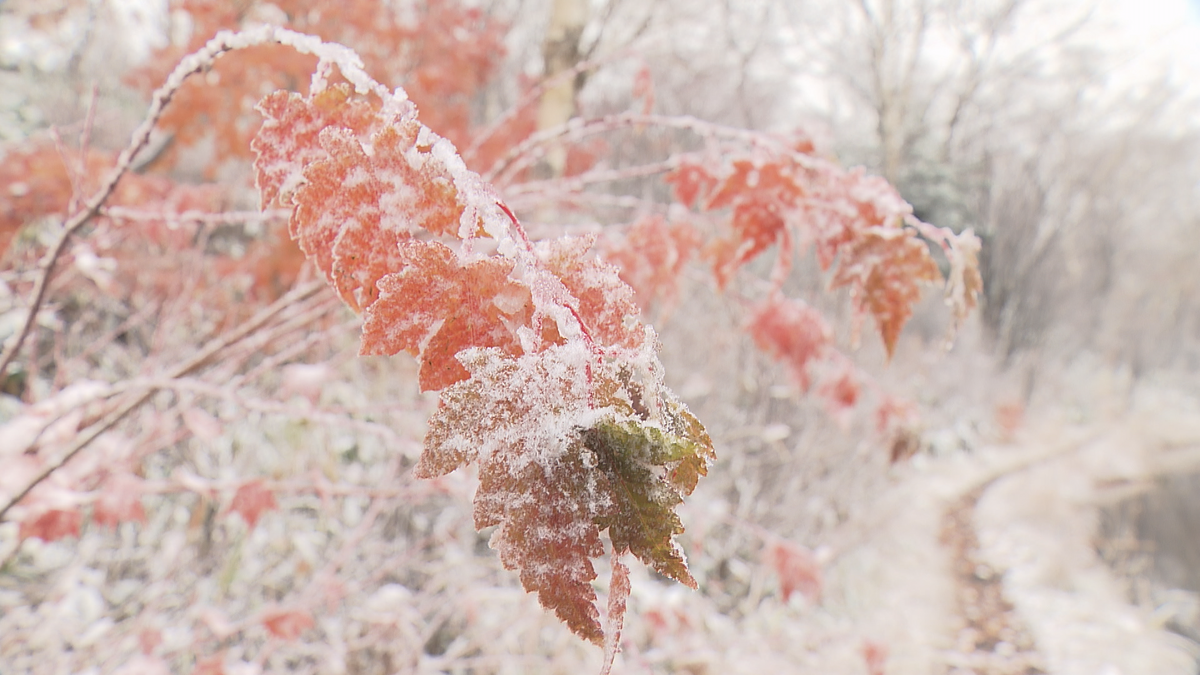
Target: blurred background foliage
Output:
[(1064, 134)]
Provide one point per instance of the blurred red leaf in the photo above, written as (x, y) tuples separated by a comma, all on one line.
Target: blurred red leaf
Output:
[(797, 569), (651, 257), (251, 500), (149, 639), (875, 654), (287, 624), (792, 332), (884, 269), (213, 665), (52, 525)]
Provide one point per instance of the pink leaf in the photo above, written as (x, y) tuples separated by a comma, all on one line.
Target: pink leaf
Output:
[(251, 500), (792, 332)]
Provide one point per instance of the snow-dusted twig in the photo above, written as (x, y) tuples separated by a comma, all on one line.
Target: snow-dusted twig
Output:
[(348, 63), (194, 216), (197, 360), (526, 153)]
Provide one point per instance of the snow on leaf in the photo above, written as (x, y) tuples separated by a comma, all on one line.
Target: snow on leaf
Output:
[(289, 138), (251, 500), (792, 332), (629, 454), (546, 530), (337, 220), (606, 303), (361, 180), (618, 595), (120, 501), (561, 460), (436, 307), (884, 270), (964, 282), (287, 624)]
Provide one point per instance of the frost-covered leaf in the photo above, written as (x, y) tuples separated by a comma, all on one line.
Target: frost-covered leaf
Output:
[(289, 138), (630, 456), (606, 303), (964, 282), (436, 307), (562, 460), (618, 594), (885, 270)]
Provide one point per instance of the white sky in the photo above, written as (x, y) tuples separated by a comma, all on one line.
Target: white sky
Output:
[(1166, 30)]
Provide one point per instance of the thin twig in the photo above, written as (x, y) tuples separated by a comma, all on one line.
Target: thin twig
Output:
[(141, 136), (196, 361)]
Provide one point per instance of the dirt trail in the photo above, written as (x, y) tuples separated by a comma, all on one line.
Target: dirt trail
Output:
[(985, 562)]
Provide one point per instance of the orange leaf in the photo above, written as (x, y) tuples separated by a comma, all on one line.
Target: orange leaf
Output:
[(884, 270), (436, 307), (605, 302), (289, 138), (287, 624)]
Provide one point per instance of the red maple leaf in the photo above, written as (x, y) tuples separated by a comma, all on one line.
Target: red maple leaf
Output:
[(552, 487), (885, 269), (606, 303), (289, 138), (652, 255), (437, 306)]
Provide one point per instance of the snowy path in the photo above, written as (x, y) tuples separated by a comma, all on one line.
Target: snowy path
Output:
[(1034, 522)]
